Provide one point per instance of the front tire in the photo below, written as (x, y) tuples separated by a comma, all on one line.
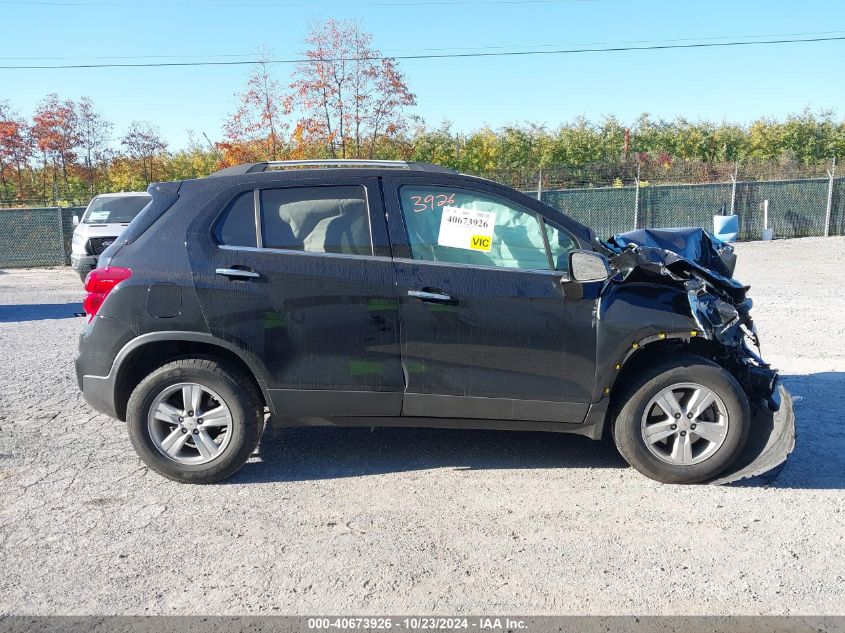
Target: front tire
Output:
[(684, 421), (195, 420)]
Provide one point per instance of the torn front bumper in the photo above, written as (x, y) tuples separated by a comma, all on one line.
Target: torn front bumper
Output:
[(770, 441)]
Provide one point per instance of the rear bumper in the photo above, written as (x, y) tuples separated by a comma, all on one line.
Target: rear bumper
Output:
[(98, 392), (96, 374)]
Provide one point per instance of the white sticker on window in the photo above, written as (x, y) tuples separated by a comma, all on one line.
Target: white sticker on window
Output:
[(98, 216), (467, 228)]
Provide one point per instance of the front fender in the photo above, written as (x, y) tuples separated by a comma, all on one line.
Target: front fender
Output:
[(632, 315)]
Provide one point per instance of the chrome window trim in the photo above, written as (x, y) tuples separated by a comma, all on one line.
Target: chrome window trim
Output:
[(287, 251), (552, 273)]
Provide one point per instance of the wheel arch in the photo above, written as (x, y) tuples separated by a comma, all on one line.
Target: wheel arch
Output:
[(147, 352), (651, 353)]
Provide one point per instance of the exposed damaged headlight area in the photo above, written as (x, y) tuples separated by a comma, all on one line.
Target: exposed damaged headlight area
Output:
[(702, 266)]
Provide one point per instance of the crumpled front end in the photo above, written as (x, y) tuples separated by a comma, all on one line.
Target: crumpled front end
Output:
[(697, 262)]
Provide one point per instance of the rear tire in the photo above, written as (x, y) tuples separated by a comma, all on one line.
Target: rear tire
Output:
[(666, 445), (190, 448)]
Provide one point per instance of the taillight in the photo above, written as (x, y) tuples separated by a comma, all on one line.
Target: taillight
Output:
[(98, 284)]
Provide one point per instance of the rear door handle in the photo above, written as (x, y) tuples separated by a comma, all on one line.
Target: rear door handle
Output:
[(429, 296), (237, 273)]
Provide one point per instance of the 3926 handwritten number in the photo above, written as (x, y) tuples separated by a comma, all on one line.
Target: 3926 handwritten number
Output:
[(431, 201)]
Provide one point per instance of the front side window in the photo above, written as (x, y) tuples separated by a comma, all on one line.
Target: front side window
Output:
[(332, 219), (560, 244), (460, 226)]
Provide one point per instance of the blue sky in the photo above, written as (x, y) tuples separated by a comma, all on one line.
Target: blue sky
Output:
[(738, 84)]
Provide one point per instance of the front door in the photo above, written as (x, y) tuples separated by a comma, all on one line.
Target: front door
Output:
[(299, 276), (491, 325)]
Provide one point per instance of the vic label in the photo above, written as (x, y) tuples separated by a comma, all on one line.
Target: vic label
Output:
[(470, 229)]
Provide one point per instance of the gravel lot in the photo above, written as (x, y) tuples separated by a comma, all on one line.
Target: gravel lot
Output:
[(418, 521)]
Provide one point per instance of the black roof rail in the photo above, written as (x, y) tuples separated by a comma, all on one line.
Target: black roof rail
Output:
[(349, 163)]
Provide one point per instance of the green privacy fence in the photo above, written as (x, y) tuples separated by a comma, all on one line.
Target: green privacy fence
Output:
[(36, 237), (796, 208)]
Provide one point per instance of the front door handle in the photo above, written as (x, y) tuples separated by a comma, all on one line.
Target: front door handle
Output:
[(429, 296), (237, 273)]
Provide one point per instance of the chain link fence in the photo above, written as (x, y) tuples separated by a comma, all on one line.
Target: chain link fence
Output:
[(792, 208), (36, 236), (799, 207)]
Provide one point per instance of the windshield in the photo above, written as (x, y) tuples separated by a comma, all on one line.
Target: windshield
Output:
[(114, 210)]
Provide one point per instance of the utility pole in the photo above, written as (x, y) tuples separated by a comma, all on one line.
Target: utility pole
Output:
[(90, 170), (214, 148), (540, 185)]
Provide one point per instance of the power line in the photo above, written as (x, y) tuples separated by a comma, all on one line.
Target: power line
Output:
[(498, 47), (284, 5), (570, 51)]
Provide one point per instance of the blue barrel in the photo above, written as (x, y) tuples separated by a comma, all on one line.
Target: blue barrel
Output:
[(726, 227)]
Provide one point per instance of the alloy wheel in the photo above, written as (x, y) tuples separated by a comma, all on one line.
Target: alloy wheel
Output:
[(189, 423), (684, 424)]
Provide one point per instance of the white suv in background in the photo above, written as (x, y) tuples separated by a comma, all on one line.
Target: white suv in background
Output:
[(103, 221)]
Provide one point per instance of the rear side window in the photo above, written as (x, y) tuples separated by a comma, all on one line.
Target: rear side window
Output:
[(332, 219), (237, 228)]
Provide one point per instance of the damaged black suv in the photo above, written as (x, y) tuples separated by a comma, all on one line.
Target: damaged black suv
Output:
[(375, 293)]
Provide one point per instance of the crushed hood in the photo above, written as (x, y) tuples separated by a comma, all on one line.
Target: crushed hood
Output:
[(693, 244), (691, 256)]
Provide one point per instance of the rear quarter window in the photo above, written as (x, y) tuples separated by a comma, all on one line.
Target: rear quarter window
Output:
[(237, 225)]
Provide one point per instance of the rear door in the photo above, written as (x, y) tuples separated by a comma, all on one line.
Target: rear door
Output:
[(492, 327), (299, 276)]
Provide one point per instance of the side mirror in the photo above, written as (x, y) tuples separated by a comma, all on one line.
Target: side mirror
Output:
[(588, 266), (76, 220)]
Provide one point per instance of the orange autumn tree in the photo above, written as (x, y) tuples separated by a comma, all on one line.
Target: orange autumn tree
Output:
[(56, 135), (256, 131), (350, 97), (15, 150)]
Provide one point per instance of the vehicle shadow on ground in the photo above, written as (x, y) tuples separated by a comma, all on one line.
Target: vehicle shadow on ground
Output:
[(304, 454), (38, 311), (818, 461)]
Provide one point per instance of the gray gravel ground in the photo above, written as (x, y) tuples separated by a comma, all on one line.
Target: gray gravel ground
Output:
[(418, 521)]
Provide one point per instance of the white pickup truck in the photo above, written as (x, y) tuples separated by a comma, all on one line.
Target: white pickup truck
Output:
[(103, 221)]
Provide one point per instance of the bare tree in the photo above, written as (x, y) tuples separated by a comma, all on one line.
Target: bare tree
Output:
[(143, 145), (94, 130), (256, 130), (349, 95)]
